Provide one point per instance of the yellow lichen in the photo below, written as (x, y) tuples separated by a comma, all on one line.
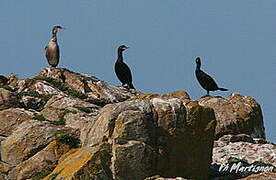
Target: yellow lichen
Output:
[(71, 165), (144, 97)]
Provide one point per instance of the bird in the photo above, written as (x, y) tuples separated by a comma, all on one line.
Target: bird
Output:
[(52, 48), (122, 70), (206, 81)]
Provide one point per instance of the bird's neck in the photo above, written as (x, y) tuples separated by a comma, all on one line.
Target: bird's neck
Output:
[(120, 56), (54, 37), (54, 34), (198, 67)]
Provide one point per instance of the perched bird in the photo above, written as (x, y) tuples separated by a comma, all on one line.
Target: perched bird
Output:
[(52, 49), (206, 81), (122, 70)]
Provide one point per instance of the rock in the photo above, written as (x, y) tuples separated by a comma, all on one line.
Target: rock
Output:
[(35, 84), (77, 120), (98, 91), (237, 151), (4, 169), (224, 150), (74, 113), (3, 80), (133, 139), (52, 113), (261, 176), (236, 114), (29, 138), (62, 103), (167, 134), (3, 176), (137, 157), (182, 95), (7, 99), (41, 163), (104, 125), (34, 103), (33, 93), (85, 163), (124, 134), (12, 118)]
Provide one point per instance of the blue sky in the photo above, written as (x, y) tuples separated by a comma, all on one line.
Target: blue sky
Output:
[(235, 39)]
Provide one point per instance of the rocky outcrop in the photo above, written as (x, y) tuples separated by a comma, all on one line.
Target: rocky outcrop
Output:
[(44, 161), (236, 114), (66, 125), (97, 91), (146, 136), (29, 138)]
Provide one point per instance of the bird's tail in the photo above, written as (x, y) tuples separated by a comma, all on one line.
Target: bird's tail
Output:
[(223, 89), (130, 86)]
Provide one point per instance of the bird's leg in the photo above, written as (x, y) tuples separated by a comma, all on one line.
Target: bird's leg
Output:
[(208, 93)]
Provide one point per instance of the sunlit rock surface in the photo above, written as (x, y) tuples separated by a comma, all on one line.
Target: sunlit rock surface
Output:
[(66, 125)]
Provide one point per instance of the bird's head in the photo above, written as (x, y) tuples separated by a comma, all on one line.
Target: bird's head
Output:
[(57, 28), (198, 62), (122, 48)]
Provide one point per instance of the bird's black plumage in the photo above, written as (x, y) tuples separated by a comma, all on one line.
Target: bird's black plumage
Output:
[(122, 70), (52, 49), (206, 81)]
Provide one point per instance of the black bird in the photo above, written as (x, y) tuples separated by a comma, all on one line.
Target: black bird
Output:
[(206, 81), (122, 70), (52, 49)]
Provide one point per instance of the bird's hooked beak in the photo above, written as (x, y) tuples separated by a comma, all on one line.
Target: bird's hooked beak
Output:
[(60, 28), (124, 48)]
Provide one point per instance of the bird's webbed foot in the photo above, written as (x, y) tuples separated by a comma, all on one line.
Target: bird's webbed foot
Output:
[(125, 86)]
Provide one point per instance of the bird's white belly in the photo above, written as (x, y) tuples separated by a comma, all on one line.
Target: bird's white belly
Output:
[(52, 45)]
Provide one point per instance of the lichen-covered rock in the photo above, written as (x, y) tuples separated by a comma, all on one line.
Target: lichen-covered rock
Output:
[(61, 102), (11, 118), (98, 91), (133, 160), (7, 99), (236, 114), (232, 152), (243, 147), (29, 138), (182, 95), (4, 169), (72, 112), (35, 84), (41, 163), (77, 120), (85, 163), (104, 125), (124, 134), (163, 130), (183, 130)]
